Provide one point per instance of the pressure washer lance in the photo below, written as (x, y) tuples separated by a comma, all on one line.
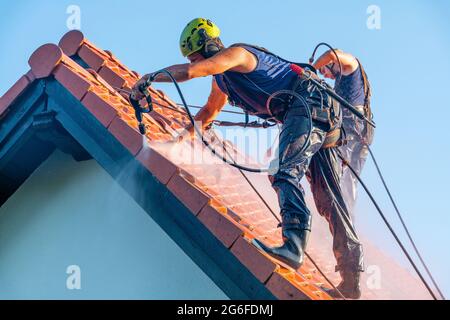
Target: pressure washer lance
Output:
[(138, 109)]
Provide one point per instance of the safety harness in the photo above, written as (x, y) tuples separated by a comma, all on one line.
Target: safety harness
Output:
[(328, 113)]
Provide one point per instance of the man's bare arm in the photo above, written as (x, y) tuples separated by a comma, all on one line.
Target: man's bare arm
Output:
[(216, 101), (324, 60), (235, 59), (348, 62)]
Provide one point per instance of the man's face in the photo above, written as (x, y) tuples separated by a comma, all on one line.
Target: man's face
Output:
[(328, 71), (195, 57)]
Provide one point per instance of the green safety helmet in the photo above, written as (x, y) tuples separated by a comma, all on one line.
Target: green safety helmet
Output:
[(192, 40)]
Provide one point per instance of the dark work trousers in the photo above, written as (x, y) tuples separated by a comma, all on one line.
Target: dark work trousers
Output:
[(324, 173), (324, 176)]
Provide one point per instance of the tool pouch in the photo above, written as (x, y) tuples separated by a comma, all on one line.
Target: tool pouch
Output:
[(324, 109)]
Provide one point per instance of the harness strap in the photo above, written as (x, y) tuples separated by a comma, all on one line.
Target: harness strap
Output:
[(367, 88), (332, 139), (368, 131), (303, 65)]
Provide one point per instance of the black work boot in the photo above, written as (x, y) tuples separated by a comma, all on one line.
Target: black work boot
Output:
[(292, 251), (349, 286)]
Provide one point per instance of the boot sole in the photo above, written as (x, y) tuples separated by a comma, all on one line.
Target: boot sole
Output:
[(335, 295), (285, 262)]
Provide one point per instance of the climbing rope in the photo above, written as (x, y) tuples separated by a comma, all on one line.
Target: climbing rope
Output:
[(413, 243), (386, 222)]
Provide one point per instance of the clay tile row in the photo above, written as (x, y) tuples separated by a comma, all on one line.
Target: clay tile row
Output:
[(113, 71), (109, 68)]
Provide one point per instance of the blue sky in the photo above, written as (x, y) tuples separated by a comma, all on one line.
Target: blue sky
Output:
[(406, 61)]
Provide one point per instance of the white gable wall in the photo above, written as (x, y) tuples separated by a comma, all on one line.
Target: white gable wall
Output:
[(74, 214)]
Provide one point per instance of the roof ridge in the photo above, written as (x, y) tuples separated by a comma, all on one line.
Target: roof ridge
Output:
[(74, 42)]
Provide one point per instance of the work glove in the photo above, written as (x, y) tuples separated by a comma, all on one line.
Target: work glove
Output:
[(136, 92), (189, 134), (186, 134)]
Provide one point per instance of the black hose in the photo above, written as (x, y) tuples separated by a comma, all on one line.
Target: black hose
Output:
[(206, 143), (386, 222), (404, 224), (199, 132), (311, 60)]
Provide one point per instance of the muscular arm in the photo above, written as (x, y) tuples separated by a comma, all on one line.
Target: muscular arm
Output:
[(325, 59), (216, 101), (348, 62), (234, 58)]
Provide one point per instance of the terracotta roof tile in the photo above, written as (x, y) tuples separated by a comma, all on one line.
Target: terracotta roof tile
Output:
[(186, 191), (31, 77), (8, 98), (101, 108), (123, 129), (253, 259), (44, 60), (74, 82), (286, 285), (225, 229), (71, 42), (91, 57), (113, 77), (116, 74), (157, 163), (104, 62)]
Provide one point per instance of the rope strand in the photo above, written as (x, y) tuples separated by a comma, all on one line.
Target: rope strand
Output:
[(404, 224), (386, 222)]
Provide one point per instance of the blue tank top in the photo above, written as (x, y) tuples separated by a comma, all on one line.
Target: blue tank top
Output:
[(250, 91), (351, 88)]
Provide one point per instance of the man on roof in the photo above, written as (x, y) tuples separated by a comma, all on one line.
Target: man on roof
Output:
[(352, 84), (246, 76)]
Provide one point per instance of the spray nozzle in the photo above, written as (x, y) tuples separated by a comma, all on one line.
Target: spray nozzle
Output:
[(138, 109)]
